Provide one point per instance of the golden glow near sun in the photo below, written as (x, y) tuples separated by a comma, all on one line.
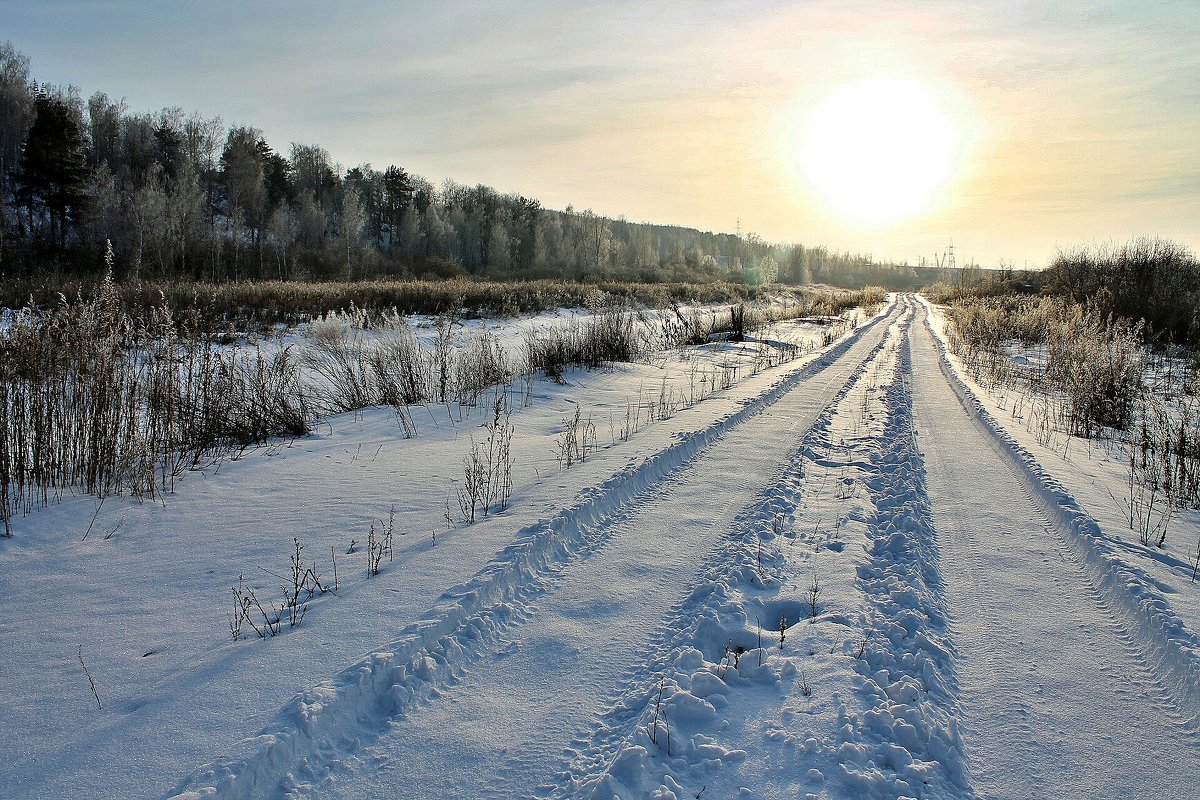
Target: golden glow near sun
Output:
[(880, 150)]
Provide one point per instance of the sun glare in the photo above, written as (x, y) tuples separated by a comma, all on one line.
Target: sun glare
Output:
[(880, 150)]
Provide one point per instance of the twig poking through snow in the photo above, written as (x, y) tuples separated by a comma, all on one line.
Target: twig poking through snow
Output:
[(99, 506), (91, 682)]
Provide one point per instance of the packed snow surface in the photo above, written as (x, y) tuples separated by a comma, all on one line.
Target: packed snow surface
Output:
[(849, 575)]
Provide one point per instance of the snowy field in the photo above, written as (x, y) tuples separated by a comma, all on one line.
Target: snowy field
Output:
[(854, 574)]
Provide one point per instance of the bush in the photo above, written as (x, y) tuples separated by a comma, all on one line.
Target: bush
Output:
[(1094, 363), (600, 341)]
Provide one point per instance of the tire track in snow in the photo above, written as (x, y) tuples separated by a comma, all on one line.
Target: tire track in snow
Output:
[(907, 743), (322, 723), (506, 695), (1058, 694), (1160, 695), (512, 710), (895, 733)]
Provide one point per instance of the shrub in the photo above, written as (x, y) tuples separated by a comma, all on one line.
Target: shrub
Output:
[(1093, 363)]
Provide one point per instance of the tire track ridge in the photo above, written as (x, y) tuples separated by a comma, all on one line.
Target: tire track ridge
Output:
[(1161, 697), (912, 675)]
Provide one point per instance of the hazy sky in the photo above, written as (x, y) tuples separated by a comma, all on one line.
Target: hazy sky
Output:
[(1075, 122)]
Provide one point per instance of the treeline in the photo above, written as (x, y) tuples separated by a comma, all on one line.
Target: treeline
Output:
[(184, 196)]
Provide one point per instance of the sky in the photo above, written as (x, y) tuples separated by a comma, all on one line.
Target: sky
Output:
[(1049, 125)]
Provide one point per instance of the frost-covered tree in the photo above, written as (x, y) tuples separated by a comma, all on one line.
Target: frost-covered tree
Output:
[(312, 171), (16, 114), (407, 241), (352, 221), (311, 220), (282, 229), (187, 227), (146, 209), (104, 129), (245, 188), (437, 234), (498, 246), (768, 269)]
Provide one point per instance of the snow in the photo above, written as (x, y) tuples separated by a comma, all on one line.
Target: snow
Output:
[(815, 704), (643, 624), (1059, 688), (471, 620)]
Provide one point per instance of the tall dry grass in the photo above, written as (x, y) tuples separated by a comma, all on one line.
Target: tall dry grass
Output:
[(93, 399), (292, 302), (1093, 364)]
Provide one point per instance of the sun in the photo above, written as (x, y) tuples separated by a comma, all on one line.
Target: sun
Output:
[(880, 150)]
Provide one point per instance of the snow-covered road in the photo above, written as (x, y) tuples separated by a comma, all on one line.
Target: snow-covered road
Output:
[(538, 687), (1057, 698)]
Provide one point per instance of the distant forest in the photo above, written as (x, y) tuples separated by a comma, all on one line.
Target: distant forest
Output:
[(183, 196)]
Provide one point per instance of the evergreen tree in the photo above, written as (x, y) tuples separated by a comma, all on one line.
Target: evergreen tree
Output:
[(276, 175), (169, 139), (53, 172), (397, 196)]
